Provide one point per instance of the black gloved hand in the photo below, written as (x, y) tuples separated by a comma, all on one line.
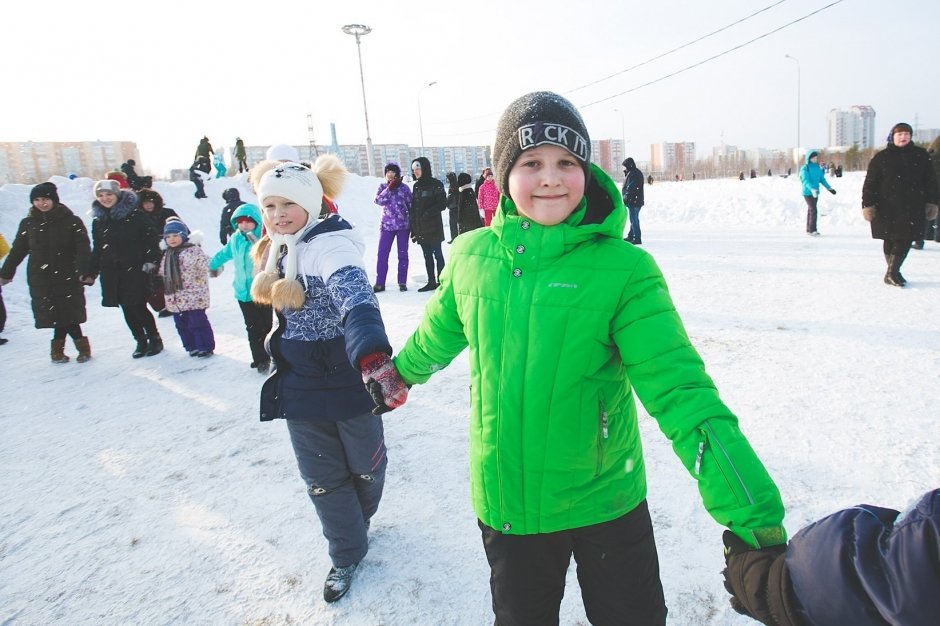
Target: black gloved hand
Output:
[(757, 581), (832, 191)]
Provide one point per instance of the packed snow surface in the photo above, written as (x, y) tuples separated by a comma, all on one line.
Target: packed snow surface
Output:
[(148, 492)]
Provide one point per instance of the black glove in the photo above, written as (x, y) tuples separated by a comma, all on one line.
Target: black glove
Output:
[(832, 191), (758, 582)]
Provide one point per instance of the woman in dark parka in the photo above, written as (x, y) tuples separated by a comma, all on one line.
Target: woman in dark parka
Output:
[(427, 226), (125, 248), (150, 203), (900, 190), (56, 241), (468, 212)]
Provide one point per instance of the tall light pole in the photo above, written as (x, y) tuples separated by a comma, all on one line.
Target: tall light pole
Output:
[(420, 125), (797, 99), (358, 31)]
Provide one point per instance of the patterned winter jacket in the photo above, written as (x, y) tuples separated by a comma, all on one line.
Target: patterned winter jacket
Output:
[(317, 349), (395, 203), (564, 324), (238, 250), (488, 197), (194, 270)]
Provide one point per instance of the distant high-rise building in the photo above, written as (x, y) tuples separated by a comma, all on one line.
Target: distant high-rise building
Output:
[(35, 161), (673, 159), (855, 127)]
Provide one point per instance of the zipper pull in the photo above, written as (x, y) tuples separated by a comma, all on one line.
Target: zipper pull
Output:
[(604, 424), (698, 457)]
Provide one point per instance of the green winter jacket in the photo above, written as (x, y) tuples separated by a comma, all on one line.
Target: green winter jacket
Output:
[(564, 323), (238, 251)]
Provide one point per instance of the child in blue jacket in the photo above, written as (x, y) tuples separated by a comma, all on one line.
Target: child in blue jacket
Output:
[(864, 566), (246, 222)]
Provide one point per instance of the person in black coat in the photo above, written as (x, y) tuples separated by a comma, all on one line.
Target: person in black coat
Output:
[(150, 203), (56, 241), (632, 193), (427, 225), (204, 149), (452, 198), (233, 201), (468, 212), (124, 251), (899, 191), (136, 182), (864, 566), (199, 166)]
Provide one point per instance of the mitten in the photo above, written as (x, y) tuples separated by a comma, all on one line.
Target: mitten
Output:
[(5, 281), (931, 211), (395, 182), (149, 267), (87, 280), (868, 213), (832, 191), (215, 273), (383, 382), (758, 581)]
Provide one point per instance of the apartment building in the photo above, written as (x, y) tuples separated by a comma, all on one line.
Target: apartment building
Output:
[(855, 127), (31, 162)]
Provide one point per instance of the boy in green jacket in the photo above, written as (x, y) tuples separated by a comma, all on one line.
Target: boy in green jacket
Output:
[(565, 321)]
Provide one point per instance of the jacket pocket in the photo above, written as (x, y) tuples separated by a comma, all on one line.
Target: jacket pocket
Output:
[(711, 449)]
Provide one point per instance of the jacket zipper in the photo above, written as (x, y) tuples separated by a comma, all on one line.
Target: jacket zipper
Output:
[(602, 410), (720, 453)]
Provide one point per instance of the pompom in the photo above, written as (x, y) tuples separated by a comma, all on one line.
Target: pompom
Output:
[(287, 294), (332, 174), (259, 170), (261, 287)]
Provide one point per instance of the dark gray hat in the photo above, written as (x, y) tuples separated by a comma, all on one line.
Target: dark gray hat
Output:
[(536, 119)]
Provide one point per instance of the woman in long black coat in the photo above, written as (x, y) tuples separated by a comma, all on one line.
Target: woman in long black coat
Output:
[(900, 189), (56, 241), (427, 226), (125, 248), (468, 211), (150, 203)]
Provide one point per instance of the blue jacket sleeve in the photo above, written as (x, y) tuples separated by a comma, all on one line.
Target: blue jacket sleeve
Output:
[(365, 333), (870, 566)]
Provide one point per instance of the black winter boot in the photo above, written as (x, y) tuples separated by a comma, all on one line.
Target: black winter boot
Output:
[(893, 276), (338, 581), (155, 345), (141, 348)]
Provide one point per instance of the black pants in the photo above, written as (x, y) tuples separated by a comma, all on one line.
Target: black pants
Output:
[(897, 248), (811, 213), (139, 320), (74, 331), (433, 252), (618, 571), (3, 312), (258, 320)]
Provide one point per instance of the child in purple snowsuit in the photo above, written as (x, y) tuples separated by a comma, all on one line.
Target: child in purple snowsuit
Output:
[(185, 272), (395, 200)]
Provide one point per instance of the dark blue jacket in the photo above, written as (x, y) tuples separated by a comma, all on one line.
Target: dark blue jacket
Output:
[(316, 350), (869, 566)]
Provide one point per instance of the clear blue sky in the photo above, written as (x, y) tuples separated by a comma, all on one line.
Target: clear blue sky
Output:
[(165, 73)]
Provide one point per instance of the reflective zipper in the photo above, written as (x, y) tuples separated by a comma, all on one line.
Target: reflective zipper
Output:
[(710, 434), (604, 433)]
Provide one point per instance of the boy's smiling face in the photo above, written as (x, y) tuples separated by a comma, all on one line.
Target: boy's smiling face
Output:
[(547, 184)]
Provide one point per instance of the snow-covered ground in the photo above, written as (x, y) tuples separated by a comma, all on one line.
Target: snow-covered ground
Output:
[(147, 492)]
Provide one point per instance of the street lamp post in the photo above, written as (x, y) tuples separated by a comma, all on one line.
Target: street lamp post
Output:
[(797, 98), (358, 31), (623, 134), (420, 124)]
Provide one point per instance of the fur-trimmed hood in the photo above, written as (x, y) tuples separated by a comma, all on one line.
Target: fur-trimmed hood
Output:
[(127, 202)]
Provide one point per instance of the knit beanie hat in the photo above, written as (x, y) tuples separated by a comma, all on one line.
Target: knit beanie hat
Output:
[(392, 166), (175, 226), (283, 152), (306, 187), (44, 190), (902, 127), (536, 119), (111, 186)]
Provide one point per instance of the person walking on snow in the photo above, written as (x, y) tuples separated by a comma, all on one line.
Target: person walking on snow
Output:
[(632, 194), (150, 203), (395, 200), (246, 222), (329, 340), (56, 241), (488, 197), (812, 175), (899, 191), (565, 322), (241, 155), (427, 226)]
